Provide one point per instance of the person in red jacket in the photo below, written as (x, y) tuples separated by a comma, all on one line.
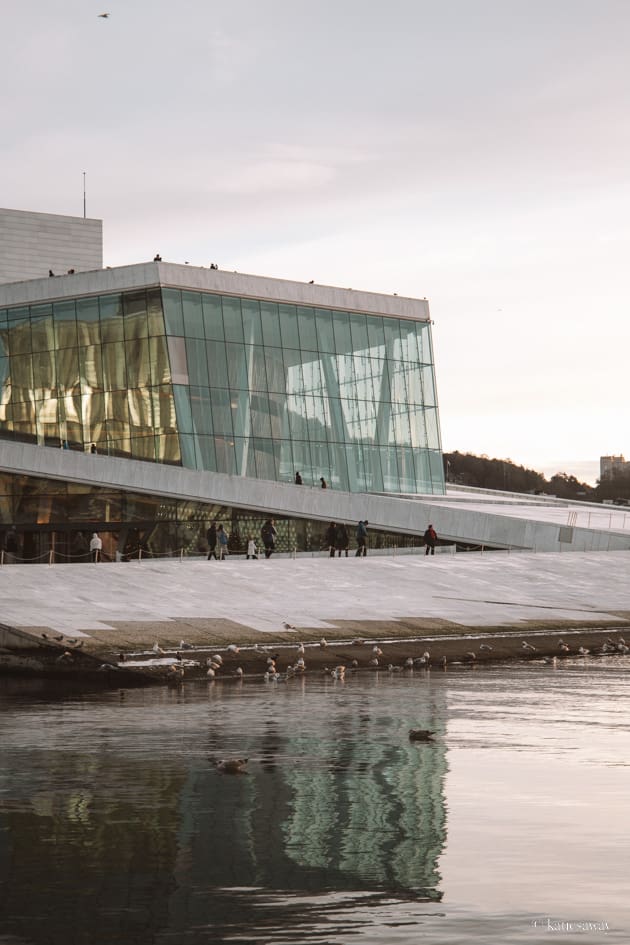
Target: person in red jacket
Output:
[(430, 540)]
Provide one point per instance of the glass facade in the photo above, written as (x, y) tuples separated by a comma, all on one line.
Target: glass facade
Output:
[(49, 515), (233, 385)]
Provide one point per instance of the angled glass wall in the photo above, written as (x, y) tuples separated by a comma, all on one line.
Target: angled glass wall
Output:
[(240, 386)]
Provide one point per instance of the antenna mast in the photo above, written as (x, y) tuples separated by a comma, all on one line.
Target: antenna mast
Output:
[(84, 195)]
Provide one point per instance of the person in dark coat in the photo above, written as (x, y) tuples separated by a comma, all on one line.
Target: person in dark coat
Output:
[(211, 538), (331, 538), (362, 539), (323, 482), (298, 479), (342, 539), (268, 534), (430, 540)]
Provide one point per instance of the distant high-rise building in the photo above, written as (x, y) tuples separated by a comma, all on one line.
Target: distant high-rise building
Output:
[(612, 466)]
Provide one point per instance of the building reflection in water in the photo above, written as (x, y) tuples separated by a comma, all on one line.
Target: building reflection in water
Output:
[(114, 826)]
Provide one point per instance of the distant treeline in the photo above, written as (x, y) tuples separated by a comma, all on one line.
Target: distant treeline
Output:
[(466, 469)]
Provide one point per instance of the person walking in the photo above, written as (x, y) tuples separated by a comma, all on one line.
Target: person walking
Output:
[(362, 533), (93, 448), (96, 547), (252, 551), (323, 482), (430, 540), (211, 538), (222, 538), (342, 539), (298, 479), (268, 534), (331, 539)]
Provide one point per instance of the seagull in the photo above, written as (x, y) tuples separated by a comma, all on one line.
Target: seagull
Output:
[(583, 651), (420, 735), (103, 16), (239, 672), (232, 765), (233, 648), (157, 648), (217, 658), (563, 646), (300, 649), (288, 626), (527, 646), (471, 656), (185, 646), (323, 643), (374, 662), (211, 673), (485, 646), (409, 663), (377, 651)]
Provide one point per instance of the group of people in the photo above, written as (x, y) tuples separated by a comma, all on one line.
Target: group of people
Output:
[(300, 482), (336, 539)]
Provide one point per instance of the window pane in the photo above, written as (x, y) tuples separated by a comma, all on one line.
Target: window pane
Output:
[(179, 364), (232, 321), (155, 316), (197, 362), (193, 316), (213, 317), (110, 308), (325, 332), (173, 314), (217, 364), (114, 367), (135, 315), (138, 365), (252, 325), (270, 324), (289, 326), (308, 331), (88, 321)]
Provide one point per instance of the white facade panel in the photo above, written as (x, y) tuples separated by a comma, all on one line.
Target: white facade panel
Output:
[(31, 244)]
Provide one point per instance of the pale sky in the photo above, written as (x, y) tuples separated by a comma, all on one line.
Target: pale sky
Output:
[(474, 152)]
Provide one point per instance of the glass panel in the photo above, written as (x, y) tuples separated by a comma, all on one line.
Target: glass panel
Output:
[(135, 315), (173, 314), (376, 335), (205, 453), (325, 331), (187, 446), (232, 321), (221, 412), (392, 338), (225, 457), (197, 363), (64, 315), (179, 365), (201, 411), (358, 330), (155, 317), (270, 324), (42, 328), (260, 415), (88, 321), (237, 366), (264, 457), (193, 317), (44, 375), (20, 331), (213, 317), (274, 365), (110, 308), (21, 373), (252, 325), (406, 470), (160, 364), (114, 367), (183, 409), (289, 326), (257, 368), (164, 417), (217, 363), (343, 340), (138, 365), (308, 331)]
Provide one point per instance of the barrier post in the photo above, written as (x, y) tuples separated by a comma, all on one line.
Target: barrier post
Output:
[(139, 553), (51, 555), (181, 555), (2, 557)]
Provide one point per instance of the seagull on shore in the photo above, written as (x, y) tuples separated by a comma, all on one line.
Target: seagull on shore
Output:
[(301, 649), (409, 663), (485, 646), (233, 648), (157, 648), (323, 643), (288, 626), (563, 646), (239, 672), (377, 651), (103, 16), (528, 646), (185, 646)]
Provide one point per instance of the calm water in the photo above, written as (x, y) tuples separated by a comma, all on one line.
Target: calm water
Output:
[(115, 827)]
